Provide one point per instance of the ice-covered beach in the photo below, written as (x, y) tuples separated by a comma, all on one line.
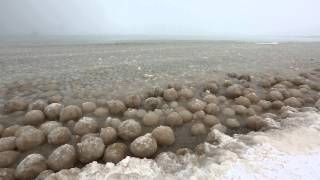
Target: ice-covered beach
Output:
[(237, 110)]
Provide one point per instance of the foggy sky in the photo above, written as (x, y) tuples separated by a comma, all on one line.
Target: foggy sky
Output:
[(161, 17)]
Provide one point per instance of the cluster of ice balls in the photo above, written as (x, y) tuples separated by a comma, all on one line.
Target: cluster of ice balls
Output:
[(228, 106)]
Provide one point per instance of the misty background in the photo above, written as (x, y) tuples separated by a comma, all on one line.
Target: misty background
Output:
[(161, 17)]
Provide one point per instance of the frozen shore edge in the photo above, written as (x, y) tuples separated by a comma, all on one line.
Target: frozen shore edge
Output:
[(287, 150)]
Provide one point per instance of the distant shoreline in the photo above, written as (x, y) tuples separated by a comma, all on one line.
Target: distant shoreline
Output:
[(117, 39)]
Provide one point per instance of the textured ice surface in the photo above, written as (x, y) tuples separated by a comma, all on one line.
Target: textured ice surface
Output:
[(289, 150)]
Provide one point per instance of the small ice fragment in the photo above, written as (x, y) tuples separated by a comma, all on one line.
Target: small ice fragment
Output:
[(148, 75)]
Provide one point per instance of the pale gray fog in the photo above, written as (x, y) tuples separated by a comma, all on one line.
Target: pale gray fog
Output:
[(159, 89), (161, 17)]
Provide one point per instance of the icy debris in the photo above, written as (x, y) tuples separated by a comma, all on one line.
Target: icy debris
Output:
[(129, 168), (169, 162), (270, 124), (148, 76)]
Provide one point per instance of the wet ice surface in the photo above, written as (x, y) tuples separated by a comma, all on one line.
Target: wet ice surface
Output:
[(289, 151), (90, 71)]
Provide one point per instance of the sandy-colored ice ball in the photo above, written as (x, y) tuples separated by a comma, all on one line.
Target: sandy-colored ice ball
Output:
[(277, 104), (240, 110), (199, 115), (7, 143), (86, 136), (293, 102), (155, 92), (130, 113), (186, 94), (7, 158), (38, 105), (29, 138), (116, 107), (144, 146), (44, 174), (10, 131), (55, 99), (253, 97), (229, 112), (129, 129), (88, 107), (164, 135), (196, 105), (90, 149), (16, 104), (101, 112), (64, 157), (265, 83), (31, 166), (34, 117), (198, 129), (232, 123), (52, 111), (49, 126), (244, 101), (59, 135), (264, 104), (173, 119), (212, 108), (152, 103), (108, 135), (295, 93), (254, 122), (234, 91), (112, 122), (115, 152), (170, 94), (70, 112), (7, 174), (257, 109), (210, 98), (133, 101), (85, 125), (185, 115), (151, 119), (175, 85), (210, 120), (275, 95), (211, 87)]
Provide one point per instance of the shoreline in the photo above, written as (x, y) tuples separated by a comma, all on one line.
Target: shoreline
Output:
[(77, 40)]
